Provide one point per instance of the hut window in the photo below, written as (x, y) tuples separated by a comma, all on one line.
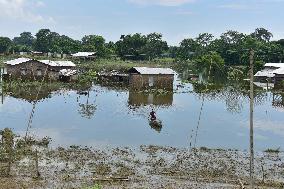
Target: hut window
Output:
[(39, 72), (151, 81), (23, 71)]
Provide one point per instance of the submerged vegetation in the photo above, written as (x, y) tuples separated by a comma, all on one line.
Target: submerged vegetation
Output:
[(270, 150), (31, 164)]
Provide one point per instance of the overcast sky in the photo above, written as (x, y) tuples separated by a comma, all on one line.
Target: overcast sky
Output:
[(175, 19)]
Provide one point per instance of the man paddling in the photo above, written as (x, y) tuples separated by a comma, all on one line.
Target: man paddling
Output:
[(153, 115)]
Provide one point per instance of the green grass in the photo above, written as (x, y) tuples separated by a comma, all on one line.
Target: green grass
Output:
[(104, 64), (120, 65)]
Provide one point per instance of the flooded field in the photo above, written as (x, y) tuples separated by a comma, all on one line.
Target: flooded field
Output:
[(108, 117)]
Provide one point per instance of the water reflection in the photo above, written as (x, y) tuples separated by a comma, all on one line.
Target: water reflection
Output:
[(278, 100), (138, 99), (31, 94), (87, 109), (235, 97), (114, 116)]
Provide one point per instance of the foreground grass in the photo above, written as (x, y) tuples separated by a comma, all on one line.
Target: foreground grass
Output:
[(30, 163)]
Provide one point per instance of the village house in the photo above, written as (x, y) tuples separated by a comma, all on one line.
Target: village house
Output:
[(141, 78), (270, 72), (35, 69)]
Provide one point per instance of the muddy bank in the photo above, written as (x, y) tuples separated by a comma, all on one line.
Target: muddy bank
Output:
[(145, 167)]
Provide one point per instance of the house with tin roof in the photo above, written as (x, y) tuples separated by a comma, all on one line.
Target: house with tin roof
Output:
[(269, 71), (141, 78), (35, 69)]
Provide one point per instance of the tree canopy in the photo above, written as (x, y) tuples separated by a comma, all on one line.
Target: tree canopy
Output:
[(232, 46)]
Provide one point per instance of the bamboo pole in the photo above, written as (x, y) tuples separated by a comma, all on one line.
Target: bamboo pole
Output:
[(251, 119), (36, 165)]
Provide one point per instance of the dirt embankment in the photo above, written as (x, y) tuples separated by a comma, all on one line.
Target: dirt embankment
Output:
[(146, 167)]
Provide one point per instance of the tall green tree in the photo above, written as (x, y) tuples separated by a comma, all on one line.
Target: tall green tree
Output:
[(25, 39), (69, 45), (189, 48), (211, 63), (94, 43), (204, 39), (132, 46), (43, 41), (155, 46), (262, 34), (229, 46), (5, 44)]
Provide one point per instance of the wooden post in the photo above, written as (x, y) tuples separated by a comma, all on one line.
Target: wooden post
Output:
[(251, 119), (36, 164), (1, 82)]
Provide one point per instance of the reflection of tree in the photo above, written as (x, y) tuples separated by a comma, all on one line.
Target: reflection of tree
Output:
[(87, 110), (233, 96)]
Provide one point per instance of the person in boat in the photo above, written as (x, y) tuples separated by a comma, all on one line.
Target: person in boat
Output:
[(153, 115)]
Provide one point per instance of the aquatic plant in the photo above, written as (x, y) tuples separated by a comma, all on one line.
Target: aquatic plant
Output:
[(274, 151)]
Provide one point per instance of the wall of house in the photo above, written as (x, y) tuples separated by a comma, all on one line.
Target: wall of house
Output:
[(263, 79), (34, 70), (279, 81), (142, 82), (29, 69)]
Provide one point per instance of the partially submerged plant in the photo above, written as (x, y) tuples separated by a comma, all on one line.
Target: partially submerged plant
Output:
[(270, 150)]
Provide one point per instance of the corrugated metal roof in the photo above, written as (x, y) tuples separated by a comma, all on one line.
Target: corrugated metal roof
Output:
[(276, 65), (58, 63), (270, 72), (17, 61), (266, 73), (279, 71), (67, 72), (270, 69), (83, 54), (154, 71)]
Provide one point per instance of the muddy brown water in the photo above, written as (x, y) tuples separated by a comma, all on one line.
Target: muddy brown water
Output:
[(115, 117)]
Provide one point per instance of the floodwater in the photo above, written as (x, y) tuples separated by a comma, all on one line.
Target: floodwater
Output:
[(110, 117)]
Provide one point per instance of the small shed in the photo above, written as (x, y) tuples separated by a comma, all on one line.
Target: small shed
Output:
[(84, 55), (141, 78)]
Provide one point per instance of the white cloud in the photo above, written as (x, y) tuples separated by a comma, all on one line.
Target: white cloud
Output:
[(235, 6), (162, 2), (22, 10)]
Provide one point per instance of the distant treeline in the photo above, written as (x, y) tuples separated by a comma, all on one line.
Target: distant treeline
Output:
[(231, 48)]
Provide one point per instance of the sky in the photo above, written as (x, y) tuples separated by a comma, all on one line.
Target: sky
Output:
[(175, 19)]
